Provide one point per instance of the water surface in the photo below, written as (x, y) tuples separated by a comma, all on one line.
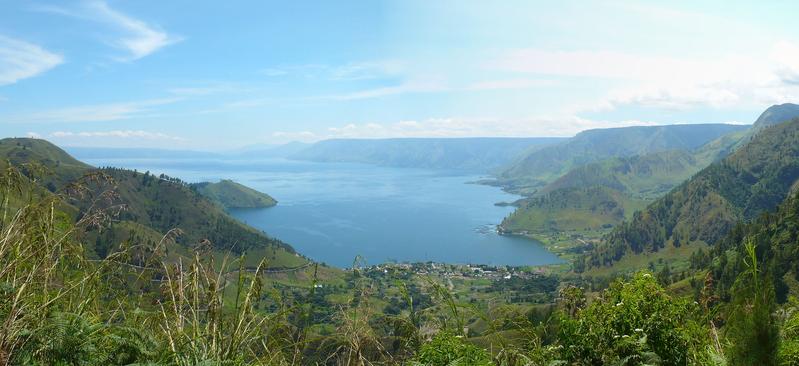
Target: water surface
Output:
[(333, 212)]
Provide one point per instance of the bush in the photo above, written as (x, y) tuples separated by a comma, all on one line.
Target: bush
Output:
[(446, 349), (633, 322)]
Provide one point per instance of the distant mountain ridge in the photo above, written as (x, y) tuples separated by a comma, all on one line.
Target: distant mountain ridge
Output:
[(467, 154), (547, 164)]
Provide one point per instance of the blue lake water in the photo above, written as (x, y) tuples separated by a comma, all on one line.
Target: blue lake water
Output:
[(332, 212)]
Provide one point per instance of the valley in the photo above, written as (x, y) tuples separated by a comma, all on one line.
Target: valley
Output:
[(429, 244)]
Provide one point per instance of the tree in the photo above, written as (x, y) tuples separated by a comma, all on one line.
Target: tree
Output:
[(751, 328)]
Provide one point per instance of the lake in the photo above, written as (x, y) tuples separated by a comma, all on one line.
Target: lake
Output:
[(333, 212)]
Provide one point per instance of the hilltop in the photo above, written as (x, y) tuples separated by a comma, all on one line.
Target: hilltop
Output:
[(60, 167), (230, 194)]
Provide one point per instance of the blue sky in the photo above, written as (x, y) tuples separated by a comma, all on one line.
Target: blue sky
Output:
[(219, 75)]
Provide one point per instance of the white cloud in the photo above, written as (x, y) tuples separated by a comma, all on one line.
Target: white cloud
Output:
[(33, 135), (670, 82), (142, 39), (786, 55), (139, 38), (122, 134), (413, 86), (21, 60), (208, 89), (366, 70), (92, 113), (507, 84), (352, 71)]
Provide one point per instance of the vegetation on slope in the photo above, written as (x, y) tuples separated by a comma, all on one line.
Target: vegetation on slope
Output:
[(145, 207), (21, 152), (230, 194), (570, 209), (164, 203), (60, 306), (642, 176), (547, 164), (754, 179)]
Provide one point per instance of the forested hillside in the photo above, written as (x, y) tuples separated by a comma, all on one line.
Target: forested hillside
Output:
[(545, 165), (145, 207), (230, 194), (752, 180)]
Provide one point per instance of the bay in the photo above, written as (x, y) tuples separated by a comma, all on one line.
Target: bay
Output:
[(333, 212)]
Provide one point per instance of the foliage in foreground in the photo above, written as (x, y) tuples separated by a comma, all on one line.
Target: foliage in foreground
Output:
[(59, 307)]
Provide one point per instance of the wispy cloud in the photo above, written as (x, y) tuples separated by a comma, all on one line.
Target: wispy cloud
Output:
[(670, 82), (142, 39), (124, 134), (352, 71), (21, 60), (507, 84), (93, 113), (138, 38), (209, 89), (413, 86), (367, 70)]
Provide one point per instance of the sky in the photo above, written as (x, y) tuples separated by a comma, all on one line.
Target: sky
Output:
[(221, 75)]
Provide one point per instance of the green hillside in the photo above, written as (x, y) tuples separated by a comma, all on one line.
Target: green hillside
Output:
[(569, 209), (625, 183), (230, 194), (549, 163), (163, 203), (139, 206), (642, 176), (754, 179), (59, 167), (774, 235)]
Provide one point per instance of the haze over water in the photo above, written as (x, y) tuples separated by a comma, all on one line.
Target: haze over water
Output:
[(333, 212)]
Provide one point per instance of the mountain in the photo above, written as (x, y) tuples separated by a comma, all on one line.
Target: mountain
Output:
[(548, 164), (60, 168), (466, 154), (142, 207), (624, 184), (648, 176), (776, 114), (753, 179), (230, 194)]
